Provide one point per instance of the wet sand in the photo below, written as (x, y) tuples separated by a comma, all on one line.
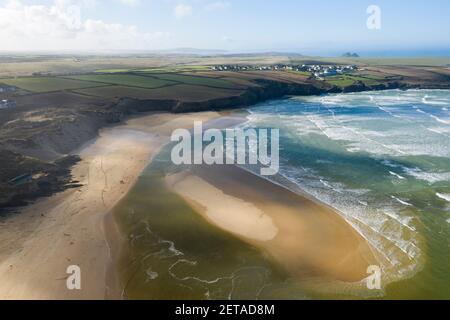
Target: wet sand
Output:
[(307, 238)]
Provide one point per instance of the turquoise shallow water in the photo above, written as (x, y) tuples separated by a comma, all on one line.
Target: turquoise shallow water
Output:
[(382, 159)]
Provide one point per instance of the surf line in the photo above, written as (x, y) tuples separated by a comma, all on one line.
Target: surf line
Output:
[(236, 146)]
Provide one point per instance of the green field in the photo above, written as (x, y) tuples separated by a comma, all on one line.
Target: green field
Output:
[(176, 69), (113, 71), (47, 84), (300, 73), (176, 92), (348, 80), (368, 80), (128, 84), (196, 80), (340, 81), (130, 80)]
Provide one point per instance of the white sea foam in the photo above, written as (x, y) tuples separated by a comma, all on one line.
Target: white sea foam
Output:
[(388, 112), (172, 247), (173, 251), (420, 110), (397, 175), (430, 177), (328, 185), (387, 97), (435, 101), (444, 196), (342, 128), (416, 125), (439, 119), (361, 132), (193, 264), (402, 201), (151, 275), (438, 131), (357, 139), (389, 163), (380, 227), (432, 116), (404, 221), (206, 284)]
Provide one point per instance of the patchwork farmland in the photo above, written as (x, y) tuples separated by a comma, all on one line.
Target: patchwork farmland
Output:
[(177, 92), (130, 80), (47, 84), (192, 86)]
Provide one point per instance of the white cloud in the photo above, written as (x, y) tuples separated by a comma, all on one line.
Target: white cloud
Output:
[(60, 26), (227, 39), (130, 3), (182, 10), (218, 5)]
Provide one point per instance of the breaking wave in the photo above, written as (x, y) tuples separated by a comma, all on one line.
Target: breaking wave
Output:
[(386, 137), (444, 196)]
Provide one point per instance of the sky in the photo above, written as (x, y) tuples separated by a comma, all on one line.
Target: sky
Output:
[(315, 27)]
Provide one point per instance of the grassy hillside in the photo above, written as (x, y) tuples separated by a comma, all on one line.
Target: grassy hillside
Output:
[(130, 80), (47, 84)]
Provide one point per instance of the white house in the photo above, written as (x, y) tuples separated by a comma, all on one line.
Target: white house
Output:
[(6, 104)]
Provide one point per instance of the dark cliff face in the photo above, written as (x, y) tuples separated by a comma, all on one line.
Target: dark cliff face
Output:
[(266, 90), (41, 179), (360, 86)]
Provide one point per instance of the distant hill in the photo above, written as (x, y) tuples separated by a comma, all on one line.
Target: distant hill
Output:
[(263, 54), (192, 51), (350, 55)]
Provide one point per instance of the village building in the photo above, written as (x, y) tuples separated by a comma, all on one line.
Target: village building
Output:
[(316, 70), (4, 89), (7, 104)]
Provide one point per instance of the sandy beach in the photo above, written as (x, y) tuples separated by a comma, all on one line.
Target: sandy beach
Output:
[(307, 238), (43, 239)]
